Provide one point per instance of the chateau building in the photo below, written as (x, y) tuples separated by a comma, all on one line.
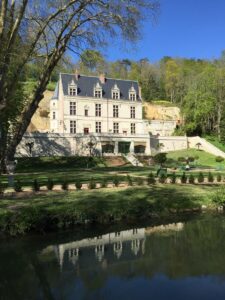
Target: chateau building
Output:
[(99, 111)]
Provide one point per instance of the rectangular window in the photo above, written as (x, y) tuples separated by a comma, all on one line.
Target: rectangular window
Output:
[(72, 108), (115, 111), (98, 127), (115, 95), (132, 96), (72, 91), (132, 112), (86, 112), (98, 94), (115, 127), (53, 115), (73, 127), (98, 110), (132, 128)]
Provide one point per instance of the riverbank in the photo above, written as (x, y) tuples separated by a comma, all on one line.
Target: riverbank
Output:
[(56, 210)]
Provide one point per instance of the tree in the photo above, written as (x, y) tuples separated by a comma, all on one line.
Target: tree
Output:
[(44, 31)]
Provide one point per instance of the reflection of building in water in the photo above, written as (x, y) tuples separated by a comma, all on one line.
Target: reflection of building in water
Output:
[(111, 246)]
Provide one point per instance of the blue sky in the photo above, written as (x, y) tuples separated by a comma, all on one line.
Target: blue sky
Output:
[(184, 28)]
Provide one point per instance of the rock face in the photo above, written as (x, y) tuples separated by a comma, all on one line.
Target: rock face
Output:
[(40, 121), (161, 112)]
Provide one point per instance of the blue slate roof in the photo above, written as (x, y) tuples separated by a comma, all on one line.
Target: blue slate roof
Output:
[(86, 86)]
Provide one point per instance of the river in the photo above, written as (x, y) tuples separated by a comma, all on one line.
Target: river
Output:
[(180, 259)]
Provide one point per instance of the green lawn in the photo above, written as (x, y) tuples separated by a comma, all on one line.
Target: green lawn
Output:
[(204, 159), (214, 140), (63, 209)]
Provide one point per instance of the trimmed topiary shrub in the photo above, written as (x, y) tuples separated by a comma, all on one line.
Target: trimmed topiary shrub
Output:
[(140, 181), (160, 158), (116, 181), (129, 180), (173, 178), (50, 184), (181, 159), (64, 185), (36, 186), (200, 178), (191, 179), (183, 178), (78, 184), (104, 183), (18, 186), (210, 177), (218, 177), (92, 184), (151, 178), (162, 178), (191, 159), (219, 159)]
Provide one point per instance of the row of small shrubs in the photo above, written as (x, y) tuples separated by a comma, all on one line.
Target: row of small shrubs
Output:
[(184, 178)]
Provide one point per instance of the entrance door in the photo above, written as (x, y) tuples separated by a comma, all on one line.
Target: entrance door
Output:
[(86, 130), (124, 147)]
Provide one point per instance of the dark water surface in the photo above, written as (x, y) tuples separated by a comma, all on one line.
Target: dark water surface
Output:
[(183, 259)]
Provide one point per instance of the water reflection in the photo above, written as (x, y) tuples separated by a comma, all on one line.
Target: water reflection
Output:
[(108, 247), (183, 260)]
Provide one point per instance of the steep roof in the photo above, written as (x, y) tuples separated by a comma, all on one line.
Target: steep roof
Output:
[(86, 84)]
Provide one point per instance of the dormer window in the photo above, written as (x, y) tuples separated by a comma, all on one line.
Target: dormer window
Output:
[(115, 92), (98, 91), (72, 89), (132, 94)]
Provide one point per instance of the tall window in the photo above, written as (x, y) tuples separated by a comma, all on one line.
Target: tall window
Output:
[(132, 128), (53, 115), (98, 127), (86, 112), (98, 110), (115, 111), (73, 127), (132, 112), (115, 127), (115, 92), (72, 108)]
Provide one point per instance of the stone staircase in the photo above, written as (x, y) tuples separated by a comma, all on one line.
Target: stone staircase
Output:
[(133, 160)]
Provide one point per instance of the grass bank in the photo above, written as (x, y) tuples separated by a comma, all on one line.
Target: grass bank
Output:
[(56, 210)]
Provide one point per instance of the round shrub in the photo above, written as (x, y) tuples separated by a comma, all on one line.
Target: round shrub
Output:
[(140, 181), (36, 186), (219, 159), (116, 181), (64, 185), (129, 180), (191, 159), (78, 184), (200, 177), (218, 177), (191, 179), (183, 178), (151, 179), (173, 178), (162, 178), (50, 184), (210, 177), (104, 183), (18, 186), (160, 158), (92, 184)]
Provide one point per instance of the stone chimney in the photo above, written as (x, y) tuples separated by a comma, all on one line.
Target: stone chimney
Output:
[(77, 74), (102, 78), (139, 92)]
